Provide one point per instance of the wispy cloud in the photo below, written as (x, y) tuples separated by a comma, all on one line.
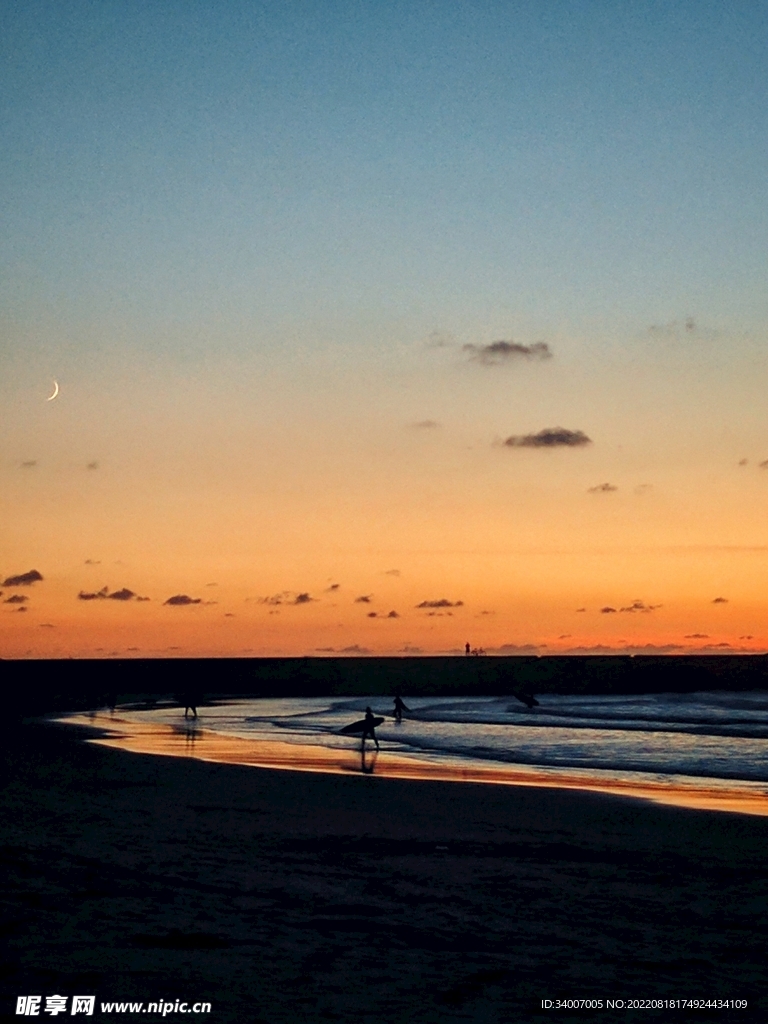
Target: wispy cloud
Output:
[(182, 599), (92, 465), (92, 561), (287, 597), (392, 572), (363, 599), (516, 649), (29, 464), (24, 579), (354, 649), (602, 489), (700, 636), (720, 600), (443, 602), (763, 464), (550, 437), (410, 649), (425, 425), (640, 606), (333, 586), (16, 599), (627, 649), (505, 351), (607, 610)]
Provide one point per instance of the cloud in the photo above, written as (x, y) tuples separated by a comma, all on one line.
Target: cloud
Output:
[(763, 464), (410, 649), (363, 599), (747, 637), (640, 606), (16, 599), (25, 579), (643, 488), (742, 462), (602, 489), (698, 636), (28, 464), (440, 339), (672, 329), (92, 561), (504, 351), (550, 437), (47, 625), (607, 610), (22, 609), (326, 650), (627, 649), (442, 603), (393, 615), (581, 609), (286, 597), (425, 425), (211, 584), (516, 649), (92, 465), (333, 586), (720, 600), (354, 649), (372, 615), (392, 572), (229, 615), (118, 595), (182, 599)]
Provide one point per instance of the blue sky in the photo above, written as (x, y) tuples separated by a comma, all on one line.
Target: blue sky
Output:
[(266, 232)]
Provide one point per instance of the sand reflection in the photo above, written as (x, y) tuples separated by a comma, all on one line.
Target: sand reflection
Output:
[(190, 740)]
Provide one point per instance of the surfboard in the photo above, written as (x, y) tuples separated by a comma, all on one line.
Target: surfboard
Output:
[(359, 726)]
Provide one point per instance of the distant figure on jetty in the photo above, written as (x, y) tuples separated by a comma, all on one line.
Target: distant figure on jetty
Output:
[(467, 648), (400, 707), (369, 730)]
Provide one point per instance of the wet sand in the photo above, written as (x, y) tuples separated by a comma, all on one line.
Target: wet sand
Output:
[(293, 896), (193, 740)]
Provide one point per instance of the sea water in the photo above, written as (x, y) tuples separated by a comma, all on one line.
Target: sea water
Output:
[(661, 738)]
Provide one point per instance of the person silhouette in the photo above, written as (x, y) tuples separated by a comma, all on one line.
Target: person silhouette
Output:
[(467, 648), (400, 707), (369, 729)]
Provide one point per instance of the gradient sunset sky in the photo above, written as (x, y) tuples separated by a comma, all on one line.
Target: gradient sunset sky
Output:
[(383, 327)]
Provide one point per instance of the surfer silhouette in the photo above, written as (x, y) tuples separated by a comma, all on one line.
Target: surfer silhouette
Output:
[(400, 707), (369, 729)]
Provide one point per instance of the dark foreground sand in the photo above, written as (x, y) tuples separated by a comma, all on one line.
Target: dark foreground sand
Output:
[(290, 896)]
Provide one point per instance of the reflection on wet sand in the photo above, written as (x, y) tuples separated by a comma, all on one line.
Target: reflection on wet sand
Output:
[(188, 740)]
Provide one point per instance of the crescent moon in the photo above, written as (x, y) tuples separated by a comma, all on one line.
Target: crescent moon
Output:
[(55, 391)]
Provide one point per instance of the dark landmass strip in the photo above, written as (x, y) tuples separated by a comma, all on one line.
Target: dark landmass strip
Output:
[(36, 687)]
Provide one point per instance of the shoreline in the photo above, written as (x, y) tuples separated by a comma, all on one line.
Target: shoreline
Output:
[(202, 744)]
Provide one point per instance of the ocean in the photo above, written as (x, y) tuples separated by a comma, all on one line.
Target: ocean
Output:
[(664, 740)]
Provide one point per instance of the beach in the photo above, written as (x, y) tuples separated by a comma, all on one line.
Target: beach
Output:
[(283, 896)]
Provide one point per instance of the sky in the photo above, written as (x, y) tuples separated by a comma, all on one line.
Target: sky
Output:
[(383, 328)]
